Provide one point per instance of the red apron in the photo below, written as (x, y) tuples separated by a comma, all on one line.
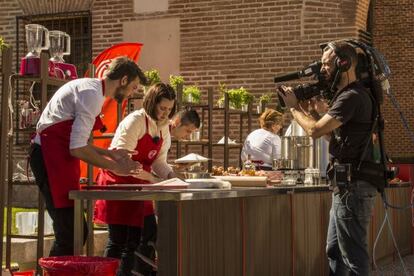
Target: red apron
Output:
[(63, 170), (128, 212)]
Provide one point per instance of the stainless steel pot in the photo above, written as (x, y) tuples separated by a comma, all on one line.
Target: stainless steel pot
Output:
[(304, 149), (299, 149), (196, 175), (321, 155)]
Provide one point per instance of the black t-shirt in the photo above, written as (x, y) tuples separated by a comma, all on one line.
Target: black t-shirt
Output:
[(353, 108)]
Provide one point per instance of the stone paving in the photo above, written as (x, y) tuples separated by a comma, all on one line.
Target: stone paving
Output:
[(396, 268)]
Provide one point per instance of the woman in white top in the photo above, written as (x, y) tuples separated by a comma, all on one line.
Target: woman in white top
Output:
[(146, 132), (264, 144)]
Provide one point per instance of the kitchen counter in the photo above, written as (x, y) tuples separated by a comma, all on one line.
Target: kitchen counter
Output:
[(250, 231), (200, 194)]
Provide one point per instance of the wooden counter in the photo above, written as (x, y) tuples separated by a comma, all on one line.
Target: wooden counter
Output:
[(252, 231)]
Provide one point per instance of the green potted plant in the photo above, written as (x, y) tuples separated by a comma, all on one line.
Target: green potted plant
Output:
[(235, 98), (247, 98), (239, 97), (2, 44), (153, 77), (192, 94), (176, 81), (263, 101)]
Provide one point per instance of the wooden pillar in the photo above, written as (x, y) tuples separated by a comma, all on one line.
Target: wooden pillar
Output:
[(6, 56)]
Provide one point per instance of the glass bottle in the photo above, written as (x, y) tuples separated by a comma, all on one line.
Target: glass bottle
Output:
[(275, 161), (308, 177), (248, 167)]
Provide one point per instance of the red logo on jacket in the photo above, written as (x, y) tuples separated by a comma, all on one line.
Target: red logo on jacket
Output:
[(152, 154)]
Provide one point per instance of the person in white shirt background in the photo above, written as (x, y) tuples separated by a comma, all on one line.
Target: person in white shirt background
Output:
[(61, 141), (145, 131), (263, 144)]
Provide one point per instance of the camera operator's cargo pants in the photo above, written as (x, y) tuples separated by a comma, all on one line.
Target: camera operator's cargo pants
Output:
[(347, 231)]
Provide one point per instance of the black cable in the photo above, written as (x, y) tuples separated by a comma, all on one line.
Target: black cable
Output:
[(384, 199)]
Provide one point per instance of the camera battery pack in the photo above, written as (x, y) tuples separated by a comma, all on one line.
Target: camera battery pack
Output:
[(342, 175)]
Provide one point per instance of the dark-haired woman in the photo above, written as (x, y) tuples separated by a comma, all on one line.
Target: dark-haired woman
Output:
[(144, 131)]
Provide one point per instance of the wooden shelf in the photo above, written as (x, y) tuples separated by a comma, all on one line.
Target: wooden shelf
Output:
[(25, 130), (188, 142), (215, 110), (24, 182), (49, 81), (237, 145), (205, 106), (29, 237), (6, 153)]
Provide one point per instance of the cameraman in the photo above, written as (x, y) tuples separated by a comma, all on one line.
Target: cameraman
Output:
[(347, 124)]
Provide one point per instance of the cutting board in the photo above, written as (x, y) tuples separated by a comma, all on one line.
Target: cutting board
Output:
[(244, 181)]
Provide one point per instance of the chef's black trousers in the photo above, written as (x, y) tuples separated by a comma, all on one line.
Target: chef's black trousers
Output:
[(63, 218)]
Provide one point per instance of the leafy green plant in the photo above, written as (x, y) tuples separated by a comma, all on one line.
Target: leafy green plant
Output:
[(153, 76), (222, 90), (246, 96), (2, 44), (239, 97), (265, 98), (192, 92), (175, 81)]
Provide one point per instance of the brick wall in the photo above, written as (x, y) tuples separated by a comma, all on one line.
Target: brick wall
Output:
[(393, 35), (240, 43), (246, 43)]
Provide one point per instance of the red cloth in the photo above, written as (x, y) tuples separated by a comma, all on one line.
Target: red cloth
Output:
[(129, 213), (109, 108)]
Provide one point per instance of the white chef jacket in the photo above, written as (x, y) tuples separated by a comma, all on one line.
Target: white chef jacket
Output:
[(81, 100), (260, 144), (132, 128)]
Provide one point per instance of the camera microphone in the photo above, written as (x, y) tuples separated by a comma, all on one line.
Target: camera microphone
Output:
[(311, 69), (155, 139), (288, 77)]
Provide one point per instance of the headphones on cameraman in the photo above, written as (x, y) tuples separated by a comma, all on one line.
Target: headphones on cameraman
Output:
[(342, 61)]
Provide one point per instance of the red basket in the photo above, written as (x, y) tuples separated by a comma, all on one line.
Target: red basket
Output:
[(79, 266), (24, 273)]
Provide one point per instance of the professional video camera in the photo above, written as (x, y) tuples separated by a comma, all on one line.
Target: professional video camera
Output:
[(372, 70), (308, 90)]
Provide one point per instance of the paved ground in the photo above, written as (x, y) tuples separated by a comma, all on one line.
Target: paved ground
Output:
[(396, 268)]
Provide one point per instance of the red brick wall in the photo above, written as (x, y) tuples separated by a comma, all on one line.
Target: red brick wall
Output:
[(393, 35), (247, 43), (240, 43)]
